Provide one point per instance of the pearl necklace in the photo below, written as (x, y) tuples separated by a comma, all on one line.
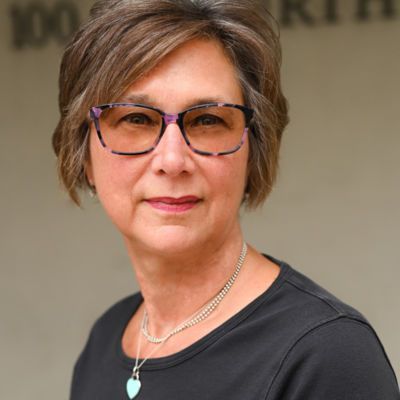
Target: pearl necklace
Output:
[(133, 384)]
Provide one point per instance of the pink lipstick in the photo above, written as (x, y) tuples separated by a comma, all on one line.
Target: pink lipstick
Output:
[(173, 204)]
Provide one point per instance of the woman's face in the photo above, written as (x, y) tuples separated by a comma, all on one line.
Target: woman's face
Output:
[(172, 199)]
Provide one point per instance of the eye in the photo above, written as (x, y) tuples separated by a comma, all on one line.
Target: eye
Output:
[(138, 119), (207, 120)]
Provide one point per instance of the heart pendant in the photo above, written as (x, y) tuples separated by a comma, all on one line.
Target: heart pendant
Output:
[(133, 387)]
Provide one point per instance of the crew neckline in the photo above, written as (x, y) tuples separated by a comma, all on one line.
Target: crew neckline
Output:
[(171, 360)]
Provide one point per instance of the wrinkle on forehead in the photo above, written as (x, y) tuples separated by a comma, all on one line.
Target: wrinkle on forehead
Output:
[(196, 72)]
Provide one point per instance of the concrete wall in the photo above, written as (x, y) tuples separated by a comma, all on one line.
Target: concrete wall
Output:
[(334, 213)]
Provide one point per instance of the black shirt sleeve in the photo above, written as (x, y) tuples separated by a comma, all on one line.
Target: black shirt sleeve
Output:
[(338, 360)]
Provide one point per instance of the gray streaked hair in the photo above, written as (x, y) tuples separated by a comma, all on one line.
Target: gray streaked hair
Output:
[(124, 39)]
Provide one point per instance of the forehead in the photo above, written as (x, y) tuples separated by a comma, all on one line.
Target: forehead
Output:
[(197, 71)]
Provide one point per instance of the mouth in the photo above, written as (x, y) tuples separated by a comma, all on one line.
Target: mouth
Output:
[(173, 204)]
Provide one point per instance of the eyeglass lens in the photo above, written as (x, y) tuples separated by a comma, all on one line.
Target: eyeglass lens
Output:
[(131, 129)]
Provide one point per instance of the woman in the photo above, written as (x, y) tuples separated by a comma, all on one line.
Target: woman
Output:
[(172, 113)]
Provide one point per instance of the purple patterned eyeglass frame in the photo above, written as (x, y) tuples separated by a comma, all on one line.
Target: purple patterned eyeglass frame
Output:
[(167, 119)]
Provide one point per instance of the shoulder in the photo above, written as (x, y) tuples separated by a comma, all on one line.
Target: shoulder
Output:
[(329, 349), (108, 327), (102, 342), (310, 293), (342, 358), (302, 304), (313, 312), (116, 316)]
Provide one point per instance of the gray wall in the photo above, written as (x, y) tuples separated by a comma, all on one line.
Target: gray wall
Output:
[(334, 213)]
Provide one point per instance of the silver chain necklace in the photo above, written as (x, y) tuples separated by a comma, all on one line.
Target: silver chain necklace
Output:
[(204, 312), (133, 384)]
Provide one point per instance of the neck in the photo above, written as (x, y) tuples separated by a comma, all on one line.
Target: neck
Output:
[(175, 287)]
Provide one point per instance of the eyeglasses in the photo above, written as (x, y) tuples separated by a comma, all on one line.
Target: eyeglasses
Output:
[(208, 129)]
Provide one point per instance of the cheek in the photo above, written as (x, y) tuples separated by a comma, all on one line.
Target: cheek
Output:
[(114, 191), (230, 180), (107, 169), (113, 177)]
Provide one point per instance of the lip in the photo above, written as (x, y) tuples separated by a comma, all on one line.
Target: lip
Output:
[(173, 204)]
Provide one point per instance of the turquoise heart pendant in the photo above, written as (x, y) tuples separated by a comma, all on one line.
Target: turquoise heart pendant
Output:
[(133, 387)]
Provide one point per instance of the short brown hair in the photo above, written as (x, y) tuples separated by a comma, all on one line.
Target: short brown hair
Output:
[(124, 39)]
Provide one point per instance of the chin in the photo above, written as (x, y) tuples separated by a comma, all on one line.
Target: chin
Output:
[(170, 240)]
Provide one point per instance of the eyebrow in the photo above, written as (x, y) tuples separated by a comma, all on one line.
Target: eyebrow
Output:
[(147, 100), (205, 100), (136, 98)]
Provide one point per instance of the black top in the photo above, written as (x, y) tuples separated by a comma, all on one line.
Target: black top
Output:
[(294, 342)]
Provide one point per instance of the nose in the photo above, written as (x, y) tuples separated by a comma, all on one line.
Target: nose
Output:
[(172, 156)]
